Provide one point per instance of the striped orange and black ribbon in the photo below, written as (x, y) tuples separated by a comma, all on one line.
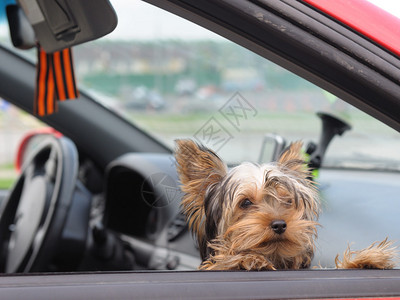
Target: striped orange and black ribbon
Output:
[(55, 80)]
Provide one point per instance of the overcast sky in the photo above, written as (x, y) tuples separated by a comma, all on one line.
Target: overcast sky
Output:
[(392, 6), (144, 21), (140, 20), (150, 22)]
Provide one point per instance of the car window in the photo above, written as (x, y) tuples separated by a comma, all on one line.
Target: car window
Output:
[(7, 170), (175, 79), (15, 124)]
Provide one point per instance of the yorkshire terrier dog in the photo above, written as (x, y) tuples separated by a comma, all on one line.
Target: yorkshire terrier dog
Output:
[(258, 217)]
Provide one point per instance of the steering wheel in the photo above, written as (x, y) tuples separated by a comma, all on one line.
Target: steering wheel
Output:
[(34, 214)]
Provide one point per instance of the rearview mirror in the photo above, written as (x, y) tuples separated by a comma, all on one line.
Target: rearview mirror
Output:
[(21, 31), (60, 24)]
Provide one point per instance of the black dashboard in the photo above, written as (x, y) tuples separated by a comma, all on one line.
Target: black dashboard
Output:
[(143, 206)]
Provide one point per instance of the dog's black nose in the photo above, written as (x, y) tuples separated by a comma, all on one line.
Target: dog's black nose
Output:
[(278, 226)]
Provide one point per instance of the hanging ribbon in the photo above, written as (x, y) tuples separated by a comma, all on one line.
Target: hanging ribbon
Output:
[(55, 80)]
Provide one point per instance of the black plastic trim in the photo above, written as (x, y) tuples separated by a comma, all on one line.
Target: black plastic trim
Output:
[(310, 284)]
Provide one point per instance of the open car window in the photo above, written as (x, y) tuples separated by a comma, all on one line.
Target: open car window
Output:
[(172, 79), (193, 83), (15, 125)]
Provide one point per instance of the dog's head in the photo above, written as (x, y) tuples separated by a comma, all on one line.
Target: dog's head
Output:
[(269, 209)]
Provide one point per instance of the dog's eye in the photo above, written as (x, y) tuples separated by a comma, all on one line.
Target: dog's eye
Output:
[(246, 203), (288, 201)]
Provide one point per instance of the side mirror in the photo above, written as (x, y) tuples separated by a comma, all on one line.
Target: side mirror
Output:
[(272, 146)]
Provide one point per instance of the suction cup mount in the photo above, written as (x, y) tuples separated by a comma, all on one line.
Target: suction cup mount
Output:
[(331, 126)]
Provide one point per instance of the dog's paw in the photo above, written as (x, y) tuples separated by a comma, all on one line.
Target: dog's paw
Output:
[(247, 262), (256, 262), (377, 256)]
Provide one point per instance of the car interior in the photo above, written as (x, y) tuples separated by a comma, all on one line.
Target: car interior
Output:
[(104, 182)]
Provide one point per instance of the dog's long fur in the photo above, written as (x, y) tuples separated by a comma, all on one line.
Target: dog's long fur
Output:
[(255, 217)]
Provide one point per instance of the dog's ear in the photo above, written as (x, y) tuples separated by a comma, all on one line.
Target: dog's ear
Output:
[(197, 166), (199, 170), (293, 159)]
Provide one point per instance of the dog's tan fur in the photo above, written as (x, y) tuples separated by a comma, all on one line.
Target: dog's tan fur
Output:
[(231, 213), (379, 255)]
